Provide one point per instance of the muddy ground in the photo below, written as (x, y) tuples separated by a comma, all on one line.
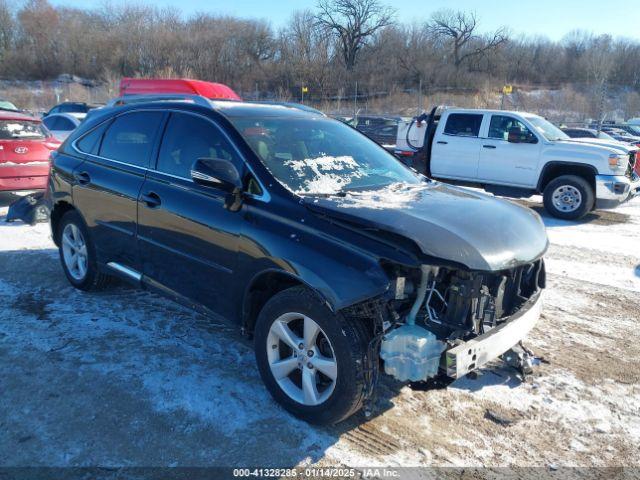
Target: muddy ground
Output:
[(126, 378)]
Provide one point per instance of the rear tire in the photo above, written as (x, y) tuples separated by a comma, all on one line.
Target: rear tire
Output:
[(569, 197), (339, 341), (78, 255)]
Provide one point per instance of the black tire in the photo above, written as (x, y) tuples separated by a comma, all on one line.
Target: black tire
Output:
[(349, 339), (586, 193), (94, 279)]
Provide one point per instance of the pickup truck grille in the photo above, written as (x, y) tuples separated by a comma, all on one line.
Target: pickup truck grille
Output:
[(633, 158)]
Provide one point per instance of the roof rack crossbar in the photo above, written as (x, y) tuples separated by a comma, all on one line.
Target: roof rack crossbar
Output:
[(168, 97)]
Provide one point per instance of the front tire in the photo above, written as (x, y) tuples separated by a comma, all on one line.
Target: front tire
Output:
[(311, 360), (77, 254), (569, 197)]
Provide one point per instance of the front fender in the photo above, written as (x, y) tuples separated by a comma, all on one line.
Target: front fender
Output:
[(338, 284)]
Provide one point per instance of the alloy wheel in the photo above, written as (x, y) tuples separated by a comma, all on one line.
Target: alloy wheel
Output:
[(301, 359), (74, 252)]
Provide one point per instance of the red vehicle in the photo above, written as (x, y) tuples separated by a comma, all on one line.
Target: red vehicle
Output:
[(25, 146), (145, 86)]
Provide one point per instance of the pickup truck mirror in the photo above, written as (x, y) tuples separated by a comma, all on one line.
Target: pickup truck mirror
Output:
[(216, 172)]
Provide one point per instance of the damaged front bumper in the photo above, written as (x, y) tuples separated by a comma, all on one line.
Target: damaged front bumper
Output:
[(474, 353)]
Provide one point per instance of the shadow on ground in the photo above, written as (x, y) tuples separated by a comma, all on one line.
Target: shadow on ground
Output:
[(597, 217)]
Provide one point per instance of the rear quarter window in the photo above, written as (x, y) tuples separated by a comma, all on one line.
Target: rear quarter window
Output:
[(463, 124), (90, 143)]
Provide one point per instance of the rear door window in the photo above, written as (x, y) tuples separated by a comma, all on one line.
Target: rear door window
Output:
[(463, 124), (130, 138), (188, 138)]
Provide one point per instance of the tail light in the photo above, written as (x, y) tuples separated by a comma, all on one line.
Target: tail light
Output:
[(404, 153)]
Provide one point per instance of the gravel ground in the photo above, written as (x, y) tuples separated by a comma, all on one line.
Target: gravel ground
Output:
[(126, 378)]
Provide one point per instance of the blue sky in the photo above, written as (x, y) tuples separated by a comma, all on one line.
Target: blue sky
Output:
[(551, 18)]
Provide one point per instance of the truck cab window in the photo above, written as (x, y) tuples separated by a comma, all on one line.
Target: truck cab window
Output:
[(501, 125), (463, 124)]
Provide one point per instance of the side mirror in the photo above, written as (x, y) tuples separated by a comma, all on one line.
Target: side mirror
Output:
[(217, 173)]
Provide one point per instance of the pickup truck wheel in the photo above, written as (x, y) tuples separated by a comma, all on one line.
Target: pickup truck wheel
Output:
[(311, 359), (569, 197), (77, 254)]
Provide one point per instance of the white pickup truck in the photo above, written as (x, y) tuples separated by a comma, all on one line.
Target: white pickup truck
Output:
[(519, 154)]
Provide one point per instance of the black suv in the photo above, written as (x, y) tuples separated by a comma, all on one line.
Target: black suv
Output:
[(310, 236)]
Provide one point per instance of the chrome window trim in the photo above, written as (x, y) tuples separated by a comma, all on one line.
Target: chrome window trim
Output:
[(264, 197)]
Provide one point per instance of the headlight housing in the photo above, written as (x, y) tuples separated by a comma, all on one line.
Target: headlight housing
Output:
[(618, 162)]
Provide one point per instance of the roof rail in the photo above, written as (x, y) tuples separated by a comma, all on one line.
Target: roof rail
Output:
[(166, 97)]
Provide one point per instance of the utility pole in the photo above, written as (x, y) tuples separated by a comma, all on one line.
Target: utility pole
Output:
[(355, 101), (601, 106)]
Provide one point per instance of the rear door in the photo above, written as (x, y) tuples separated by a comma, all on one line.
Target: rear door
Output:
[(109, 180), (456, 147), (187, 238), (506, 163)]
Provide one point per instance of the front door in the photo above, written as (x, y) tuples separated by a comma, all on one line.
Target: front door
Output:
[(506, 163), (187, 238)]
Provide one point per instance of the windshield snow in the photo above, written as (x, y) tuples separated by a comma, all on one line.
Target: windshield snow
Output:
[(321, 156)]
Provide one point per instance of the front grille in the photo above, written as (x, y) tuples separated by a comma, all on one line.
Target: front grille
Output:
[(633, 158), (476, 301)]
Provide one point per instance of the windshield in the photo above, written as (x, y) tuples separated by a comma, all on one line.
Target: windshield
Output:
[(634, 130), (15, 129), (547, 129), (321, 156), (605, 136), (73, 108), (6, 105)]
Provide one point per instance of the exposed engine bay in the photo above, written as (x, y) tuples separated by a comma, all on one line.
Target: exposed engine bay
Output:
[(437, 309)]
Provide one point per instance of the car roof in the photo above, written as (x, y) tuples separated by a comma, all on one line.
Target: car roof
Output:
[(8, 115), (226, 108), (253, 109), (76, 115), (481, 111)]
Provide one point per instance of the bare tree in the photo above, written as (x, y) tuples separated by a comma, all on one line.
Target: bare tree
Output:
[(7, 27), (460, 28), (353, 22)]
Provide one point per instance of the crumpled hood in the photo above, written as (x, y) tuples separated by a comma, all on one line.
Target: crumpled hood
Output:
[(451, 223)]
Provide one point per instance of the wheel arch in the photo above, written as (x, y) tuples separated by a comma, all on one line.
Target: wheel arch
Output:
[(265, 285), (556, 169), (58, 211)]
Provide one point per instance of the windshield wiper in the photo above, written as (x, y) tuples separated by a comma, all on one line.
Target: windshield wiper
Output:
[(339, 193)]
